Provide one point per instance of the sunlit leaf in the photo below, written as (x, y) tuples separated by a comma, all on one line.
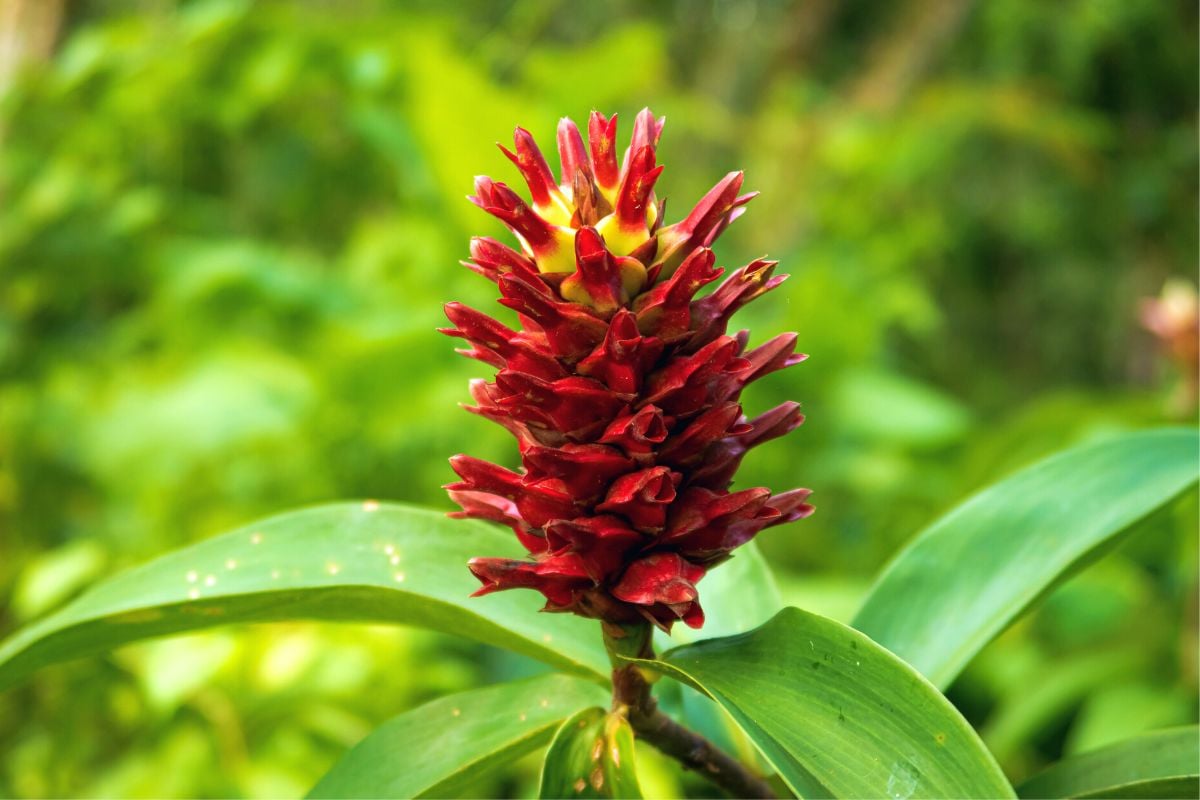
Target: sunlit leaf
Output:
[(591, 756), (1162, 764), (969, 575), (837, 715), (362, 562), (439, 747)]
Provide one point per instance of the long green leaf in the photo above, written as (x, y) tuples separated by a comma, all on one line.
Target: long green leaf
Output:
[(434, 749), (364, 562), (963, 580), (1161, 764), (591, 756), (836, 714)]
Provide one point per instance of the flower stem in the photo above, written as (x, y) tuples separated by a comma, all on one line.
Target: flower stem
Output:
[(631, 692)]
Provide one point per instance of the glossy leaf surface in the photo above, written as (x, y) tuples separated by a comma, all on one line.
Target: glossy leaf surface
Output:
[(1162, 764), (837, 715), (362, 562), (965, 578), (591, 756), (435, 749)]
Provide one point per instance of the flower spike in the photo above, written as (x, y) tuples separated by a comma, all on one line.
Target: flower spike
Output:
[(620, 385)]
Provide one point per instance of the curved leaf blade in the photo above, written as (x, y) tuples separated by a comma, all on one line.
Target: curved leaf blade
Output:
[(362, 562), (591, 756), (434, 749), (968, 576), (1160, 764), (836, 714)]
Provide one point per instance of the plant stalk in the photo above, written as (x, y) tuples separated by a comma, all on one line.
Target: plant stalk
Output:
[(631, 693)]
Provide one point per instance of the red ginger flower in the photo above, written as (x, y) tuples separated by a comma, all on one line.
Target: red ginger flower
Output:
[(621, 387)]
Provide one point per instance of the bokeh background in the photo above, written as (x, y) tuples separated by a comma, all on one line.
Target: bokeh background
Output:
[(227, 229)]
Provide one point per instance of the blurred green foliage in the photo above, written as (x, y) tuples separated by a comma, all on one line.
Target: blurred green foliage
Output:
[(227, 229)]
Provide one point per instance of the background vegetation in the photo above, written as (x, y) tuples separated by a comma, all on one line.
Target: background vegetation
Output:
[(227, 230)]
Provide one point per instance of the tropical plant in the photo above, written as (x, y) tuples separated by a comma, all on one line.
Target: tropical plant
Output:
[(622, 388)]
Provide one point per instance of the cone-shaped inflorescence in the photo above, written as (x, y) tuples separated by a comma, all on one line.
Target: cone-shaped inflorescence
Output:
[(621, 386)]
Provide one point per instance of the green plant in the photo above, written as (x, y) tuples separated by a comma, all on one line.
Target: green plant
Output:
[(834, 710)]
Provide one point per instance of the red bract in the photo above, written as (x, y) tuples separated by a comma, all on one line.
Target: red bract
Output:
[(621, 387)]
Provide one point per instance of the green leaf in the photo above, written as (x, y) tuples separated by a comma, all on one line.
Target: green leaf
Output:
[(362, 562), (437, 748), (836, 714), (591, 756), (1161, 764), (965, 578)]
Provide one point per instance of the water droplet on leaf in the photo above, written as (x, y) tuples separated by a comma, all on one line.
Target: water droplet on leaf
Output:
[(902, 781)]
